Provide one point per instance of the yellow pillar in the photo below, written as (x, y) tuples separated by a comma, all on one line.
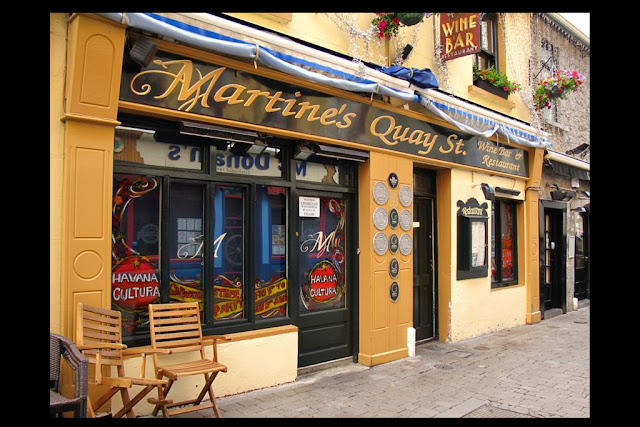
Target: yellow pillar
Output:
[(94, 63), (532, 257), (383, 322)]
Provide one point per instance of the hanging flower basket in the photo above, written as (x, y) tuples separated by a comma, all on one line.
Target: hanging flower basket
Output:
[(558, 86), (388, 24), (495, 79), (410, 19)]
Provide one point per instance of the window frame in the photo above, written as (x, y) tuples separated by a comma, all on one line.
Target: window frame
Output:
[(492, 58), (496, 250), (210, 178)]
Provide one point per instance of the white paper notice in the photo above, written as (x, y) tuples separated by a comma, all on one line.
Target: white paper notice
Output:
[(309, 207)]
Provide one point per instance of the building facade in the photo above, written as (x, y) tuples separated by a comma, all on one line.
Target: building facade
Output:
[(317, 207)]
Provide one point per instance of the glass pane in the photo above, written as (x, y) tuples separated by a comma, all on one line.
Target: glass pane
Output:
[(228, 253), (326, 171), (486, 35), (322, 257), (478, 237), (139, 146), (135, 244), (494, 271), (186, 239), (270, 243), (266, 163), (508, 244)]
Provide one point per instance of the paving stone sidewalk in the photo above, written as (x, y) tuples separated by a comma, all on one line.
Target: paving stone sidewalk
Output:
[(530, 371)]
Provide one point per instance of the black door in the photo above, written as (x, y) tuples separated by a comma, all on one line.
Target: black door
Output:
[(581, 287), (324, 269), (552, 275), (423, 270)]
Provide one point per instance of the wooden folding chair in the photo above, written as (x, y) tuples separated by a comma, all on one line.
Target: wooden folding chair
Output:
[(176, 327), (99, 337)]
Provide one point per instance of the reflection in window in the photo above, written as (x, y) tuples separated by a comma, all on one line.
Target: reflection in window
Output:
[(186, 241), (326, 171), (503, 243), (270, 252), (266, 163), (228, 254), (135, 237), (322, 257)]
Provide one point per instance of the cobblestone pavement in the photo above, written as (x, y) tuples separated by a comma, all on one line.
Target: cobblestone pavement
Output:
[(539, 371)]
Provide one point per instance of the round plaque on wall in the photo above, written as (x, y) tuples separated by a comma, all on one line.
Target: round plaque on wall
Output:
[(394, 268), (393, 218), (380, 243), (405, 244), (393, 243), (394, 291), (380, 193), (405, 195), (380, 218), (406, 220), (393, 180)]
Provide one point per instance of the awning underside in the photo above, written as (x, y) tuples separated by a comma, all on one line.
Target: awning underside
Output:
[(468, 121)]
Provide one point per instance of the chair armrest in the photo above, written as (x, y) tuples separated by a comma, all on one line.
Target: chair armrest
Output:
[(136, 350), (78, 363), (210, 339), (102, 346)]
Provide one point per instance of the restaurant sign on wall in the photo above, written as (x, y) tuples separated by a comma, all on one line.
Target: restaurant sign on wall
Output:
[(180, 84)]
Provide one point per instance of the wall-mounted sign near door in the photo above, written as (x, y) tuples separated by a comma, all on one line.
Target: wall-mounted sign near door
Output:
[(394, 291), (394, 268), (393, 180)]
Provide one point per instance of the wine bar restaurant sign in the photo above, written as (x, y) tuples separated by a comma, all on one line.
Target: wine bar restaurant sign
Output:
[(460, 34), (181, 84)]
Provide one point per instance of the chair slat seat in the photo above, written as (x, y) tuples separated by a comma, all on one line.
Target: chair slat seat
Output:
[(176, 327), (99, 336), (192, 368)]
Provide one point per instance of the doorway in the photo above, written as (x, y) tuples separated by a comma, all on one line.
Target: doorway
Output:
[(553, 234), (424, 260), (325, 270), (582, 286)]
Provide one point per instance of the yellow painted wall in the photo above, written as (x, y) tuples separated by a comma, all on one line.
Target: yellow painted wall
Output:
[(383, 323), (57, 58), (278, 365), (468, 308)]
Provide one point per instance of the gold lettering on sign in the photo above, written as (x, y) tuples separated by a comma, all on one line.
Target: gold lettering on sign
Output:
[(201, 91)]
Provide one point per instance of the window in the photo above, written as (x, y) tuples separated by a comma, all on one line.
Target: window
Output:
[(487, 56), (195, 219), (503, 243)]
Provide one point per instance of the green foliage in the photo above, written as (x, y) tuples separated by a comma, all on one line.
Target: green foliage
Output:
[(497, 79)]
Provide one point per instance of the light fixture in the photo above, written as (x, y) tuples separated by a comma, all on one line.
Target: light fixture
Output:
[(302, 151), (579, 209), (488, 191), (508, 191), (242, 148), (406, 51), (143, 51), (340, 153), (586, 193)]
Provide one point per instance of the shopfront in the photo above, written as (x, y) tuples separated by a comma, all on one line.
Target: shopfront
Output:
[(310, 223)]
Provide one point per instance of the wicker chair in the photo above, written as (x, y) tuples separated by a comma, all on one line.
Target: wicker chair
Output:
[(60, 346)]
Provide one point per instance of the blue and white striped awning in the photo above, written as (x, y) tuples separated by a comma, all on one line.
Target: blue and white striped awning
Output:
[(292, 58)]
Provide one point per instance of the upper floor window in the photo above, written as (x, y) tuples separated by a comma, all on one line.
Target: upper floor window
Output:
[(487, 57)]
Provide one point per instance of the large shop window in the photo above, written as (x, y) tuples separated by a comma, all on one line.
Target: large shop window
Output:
[(195, 219), (503, 243)]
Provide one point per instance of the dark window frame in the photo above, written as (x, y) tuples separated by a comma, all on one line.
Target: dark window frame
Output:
[(209, 177), (496, 239)]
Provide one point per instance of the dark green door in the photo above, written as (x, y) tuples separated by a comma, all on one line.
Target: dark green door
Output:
[(423, 268), (324, 270)]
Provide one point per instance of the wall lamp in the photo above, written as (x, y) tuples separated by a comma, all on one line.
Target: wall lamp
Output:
[(143, 51), (488, 191), (559, 194), (303, 151), (579, 209), (507, 191), (244, 141)]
